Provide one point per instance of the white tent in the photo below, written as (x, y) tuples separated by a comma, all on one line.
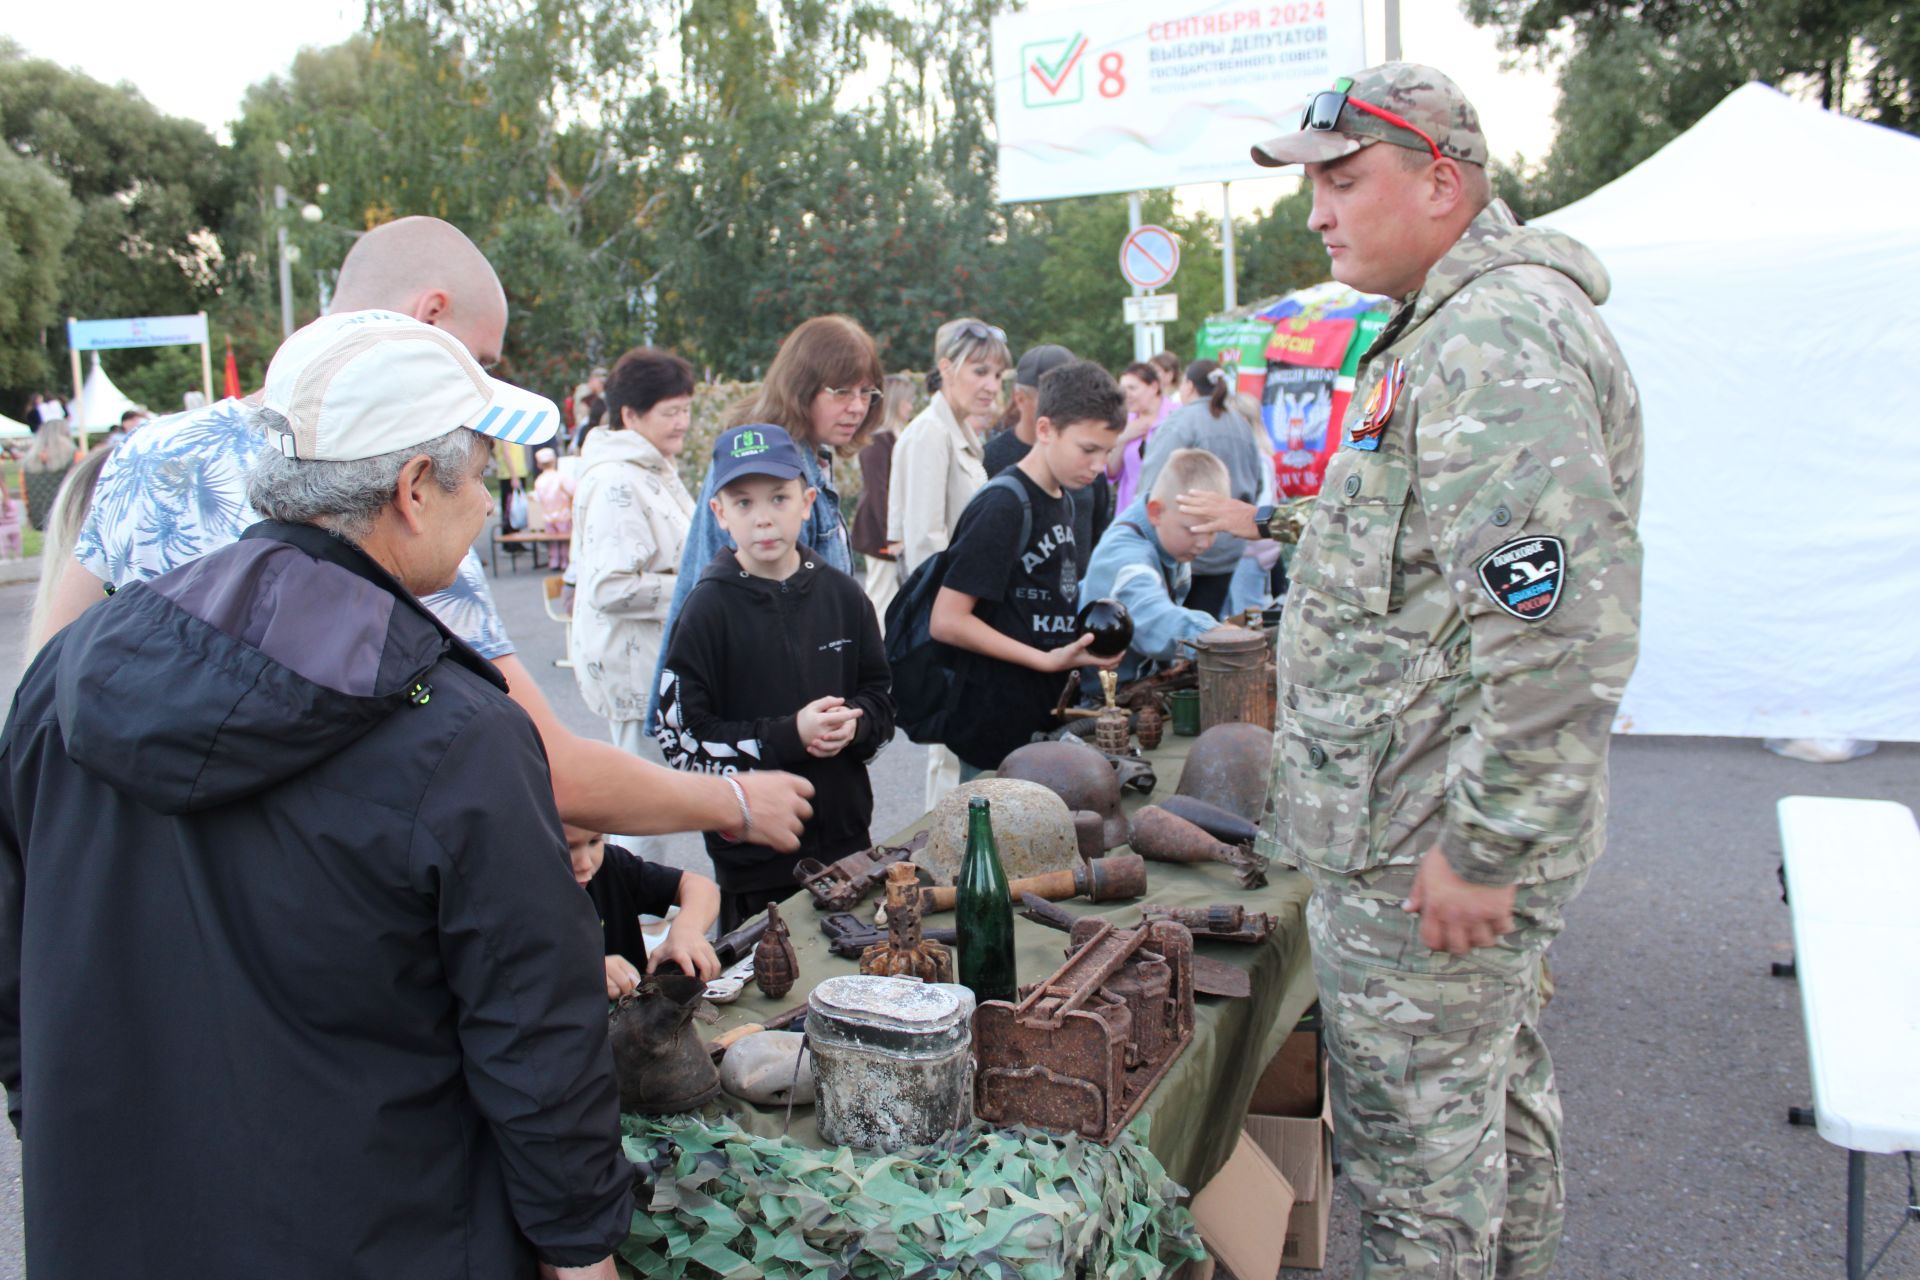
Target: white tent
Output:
[(11, 430), (1764, 266), (101, 402)]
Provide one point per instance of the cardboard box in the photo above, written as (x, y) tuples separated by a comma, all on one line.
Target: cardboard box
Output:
[(1291, 1120), (1294, 1082), (1245, 1213)]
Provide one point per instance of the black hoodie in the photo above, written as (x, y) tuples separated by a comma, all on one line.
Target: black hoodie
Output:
[(745, 655), (295, 978)]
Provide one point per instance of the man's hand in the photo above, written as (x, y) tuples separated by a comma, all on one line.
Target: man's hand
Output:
[(1069, 656), (779, 805), (1218, 513), (602, 1270), (686, 947), (1457, 915), (621, 977)]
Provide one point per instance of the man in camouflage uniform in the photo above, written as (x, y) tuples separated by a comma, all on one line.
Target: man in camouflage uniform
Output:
[(1463, 619)]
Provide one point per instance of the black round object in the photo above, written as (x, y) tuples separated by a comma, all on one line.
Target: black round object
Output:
[(1111, 624)]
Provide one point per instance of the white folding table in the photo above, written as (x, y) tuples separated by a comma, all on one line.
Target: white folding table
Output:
[(1853, 885)]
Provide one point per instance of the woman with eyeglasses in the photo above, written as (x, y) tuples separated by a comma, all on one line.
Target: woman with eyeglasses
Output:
[(940, 459), (824, 389), (631, 515)]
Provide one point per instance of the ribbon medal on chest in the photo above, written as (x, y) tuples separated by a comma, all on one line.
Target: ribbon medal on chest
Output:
[(1382, 397)]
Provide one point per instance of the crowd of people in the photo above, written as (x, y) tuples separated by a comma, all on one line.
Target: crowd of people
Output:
[(276, 743)]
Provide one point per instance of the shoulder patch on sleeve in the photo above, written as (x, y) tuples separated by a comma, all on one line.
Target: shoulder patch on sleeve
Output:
[(1524, 577)]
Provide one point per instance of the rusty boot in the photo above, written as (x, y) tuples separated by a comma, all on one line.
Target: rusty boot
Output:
[(662, 1067)]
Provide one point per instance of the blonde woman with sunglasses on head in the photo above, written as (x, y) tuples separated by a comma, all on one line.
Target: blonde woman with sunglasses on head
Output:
[(939, 462)]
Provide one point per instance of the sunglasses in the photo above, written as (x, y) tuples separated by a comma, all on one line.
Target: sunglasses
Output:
[(979, 331), (1323, 115)]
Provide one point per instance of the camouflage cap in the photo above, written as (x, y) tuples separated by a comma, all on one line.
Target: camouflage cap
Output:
[(1421, 95)]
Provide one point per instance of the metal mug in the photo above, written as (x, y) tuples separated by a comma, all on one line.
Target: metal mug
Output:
[(1185, 705)]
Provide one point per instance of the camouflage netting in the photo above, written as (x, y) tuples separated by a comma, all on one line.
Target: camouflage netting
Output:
[(986, 1202)]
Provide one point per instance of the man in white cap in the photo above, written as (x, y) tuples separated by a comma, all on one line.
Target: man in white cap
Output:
[(297, 977), (175, 491), (1463, 619)]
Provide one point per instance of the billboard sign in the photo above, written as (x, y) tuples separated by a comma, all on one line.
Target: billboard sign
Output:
[(1137, 94), (145, 331)]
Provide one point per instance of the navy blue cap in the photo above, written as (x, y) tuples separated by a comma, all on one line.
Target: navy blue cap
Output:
[(756, 449)]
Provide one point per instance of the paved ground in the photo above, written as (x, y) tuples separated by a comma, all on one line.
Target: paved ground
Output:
[(1678, 1054)]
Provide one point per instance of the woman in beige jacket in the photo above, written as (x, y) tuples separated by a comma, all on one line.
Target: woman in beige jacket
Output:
[(630, 519), (938, 461)]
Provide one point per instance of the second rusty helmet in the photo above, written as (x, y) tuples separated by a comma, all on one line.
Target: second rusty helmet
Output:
[(1077, 774), (1229, 765)]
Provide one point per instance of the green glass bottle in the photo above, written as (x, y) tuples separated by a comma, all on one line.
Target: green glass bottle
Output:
[(983, 913)]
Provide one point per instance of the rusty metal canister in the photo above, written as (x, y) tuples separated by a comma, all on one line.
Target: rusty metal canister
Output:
[(891, 1060), (1232, 663)]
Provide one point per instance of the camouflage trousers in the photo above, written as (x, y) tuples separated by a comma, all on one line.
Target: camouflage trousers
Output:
[(1443, 1093)]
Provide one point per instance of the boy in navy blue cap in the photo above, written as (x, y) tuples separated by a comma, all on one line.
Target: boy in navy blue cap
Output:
[(775, 663)]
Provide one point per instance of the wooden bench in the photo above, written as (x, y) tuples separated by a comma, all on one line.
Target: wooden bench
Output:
[(1853, 886), (534, 540)]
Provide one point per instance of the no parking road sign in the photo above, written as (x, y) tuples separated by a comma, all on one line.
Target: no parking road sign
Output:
[(1149, 256)]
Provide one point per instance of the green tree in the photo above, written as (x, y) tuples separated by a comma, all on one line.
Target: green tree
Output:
[(1636, 73), (152, 189), (1276, 253), (37, 220)]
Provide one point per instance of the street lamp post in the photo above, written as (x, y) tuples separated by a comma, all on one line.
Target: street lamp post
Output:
[(286, 263)]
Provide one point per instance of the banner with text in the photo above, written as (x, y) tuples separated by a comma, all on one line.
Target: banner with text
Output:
[(1137, 94)]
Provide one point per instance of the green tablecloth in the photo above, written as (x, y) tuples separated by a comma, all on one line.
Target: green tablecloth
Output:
[(1197, 1108)]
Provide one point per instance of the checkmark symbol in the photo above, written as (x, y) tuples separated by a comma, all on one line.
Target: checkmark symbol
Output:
[(1053, 75)]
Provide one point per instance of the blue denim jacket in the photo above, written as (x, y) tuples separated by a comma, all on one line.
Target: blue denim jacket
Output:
[(825, 532)]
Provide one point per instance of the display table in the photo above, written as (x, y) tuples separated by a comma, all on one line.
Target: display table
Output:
[(1195, 1112)]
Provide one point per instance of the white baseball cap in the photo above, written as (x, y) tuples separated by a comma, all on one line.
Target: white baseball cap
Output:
[(363, 383)]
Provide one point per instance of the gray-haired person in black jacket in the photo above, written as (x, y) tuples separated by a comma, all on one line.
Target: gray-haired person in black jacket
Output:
[(295, 979), (775, 662)]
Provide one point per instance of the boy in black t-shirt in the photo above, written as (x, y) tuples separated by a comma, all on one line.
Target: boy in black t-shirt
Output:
[(624, 888), (1010, 608)]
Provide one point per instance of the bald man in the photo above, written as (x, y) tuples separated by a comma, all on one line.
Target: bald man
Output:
[(176, 490)]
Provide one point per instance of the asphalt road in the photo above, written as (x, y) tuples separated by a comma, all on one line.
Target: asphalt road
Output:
[(1678, 1054)]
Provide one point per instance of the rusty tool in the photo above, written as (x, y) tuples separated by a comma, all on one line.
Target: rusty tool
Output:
[(841, 885), (1082, 1050), (1165, 837), (778, 1022), (1112, 879), (904, 953), (1211, 977), (734, 947), (1221, 922), (849, 936)]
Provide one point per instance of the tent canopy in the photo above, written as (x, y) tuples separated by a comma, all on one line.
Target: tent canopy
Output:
[(11, 430), (101, 402), (1763, 266)]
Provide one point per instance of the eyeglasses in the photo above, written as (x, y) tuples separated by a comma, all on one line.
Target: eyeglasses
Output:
[(843, 394), (1323, 115)]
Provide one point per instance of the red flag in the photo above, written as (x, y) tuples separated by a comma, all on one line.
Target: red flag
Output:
[(233, 374)]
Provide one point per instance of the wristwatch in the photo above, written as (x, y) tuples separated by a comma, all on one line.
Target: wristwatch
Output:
[(1283, 523), (1262, 516)]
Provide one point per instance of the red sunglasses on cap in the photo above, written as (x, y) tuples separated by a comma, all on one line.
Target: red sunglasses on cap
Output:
[(1324, 108)]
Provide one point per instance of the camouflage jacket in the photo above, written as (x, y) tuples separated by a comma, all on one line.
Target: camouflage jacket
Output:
[(1466, 596)]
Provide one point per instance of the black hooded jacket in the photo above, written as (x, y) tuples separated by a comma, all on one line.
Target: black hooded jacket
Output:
[(745, 655), (295, 979)]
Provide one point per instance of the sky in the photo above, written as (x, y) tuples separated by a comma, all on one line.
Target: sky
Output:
[(200, 69)]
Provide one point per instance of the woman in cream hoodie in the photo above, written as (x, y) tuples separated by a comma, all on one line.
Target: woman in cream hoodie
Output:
[(630, 519)]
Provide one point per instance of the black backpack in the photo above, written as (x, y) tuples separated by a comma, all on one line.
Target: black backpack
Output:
[(925, 675)]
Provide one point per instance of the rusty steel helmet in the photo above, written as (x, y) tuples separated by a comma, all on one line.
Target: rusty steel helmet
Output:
[(1229, 765), (1032, 829), (1076, 773)]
